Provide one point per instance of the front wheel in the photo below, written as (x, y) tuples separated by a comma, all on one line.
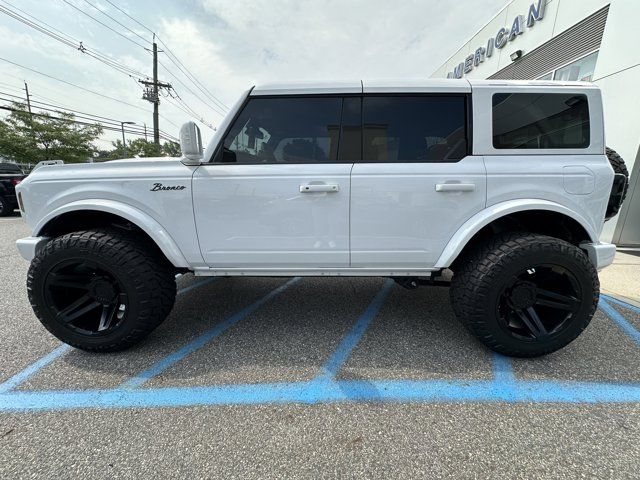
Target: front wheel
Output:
[(525, 295), (100, 290)]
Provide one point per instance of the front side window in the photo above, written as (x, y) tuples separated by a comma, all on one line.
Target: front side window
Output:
[(284, 130), (540, 120), (405, 129)]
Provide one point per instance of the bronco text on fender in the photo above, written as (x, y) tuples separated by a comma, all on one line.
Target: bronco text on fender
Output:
[(506, 184)]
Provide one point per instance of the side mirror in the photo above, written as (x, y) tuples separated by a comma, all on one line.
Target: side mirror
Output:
[(191, 144)]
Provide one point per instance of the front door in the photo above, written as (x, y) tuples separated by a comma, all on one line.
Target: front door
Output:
[(416, 184), (277, 195)]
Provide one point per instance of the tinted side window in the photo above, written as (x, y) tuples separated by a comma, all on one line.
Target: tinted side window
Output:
[(540, 120), (414, 129), (285, 130), (350, 149), (10, 168)]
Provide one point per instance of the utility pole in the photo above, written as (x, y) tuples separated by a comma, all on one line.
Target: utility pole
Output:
[(156, 117), (152, 93), (26, 89)]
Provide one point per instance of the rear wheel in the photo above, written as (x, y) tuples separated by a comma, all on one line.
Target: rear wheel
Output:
[(525, 295), (100, 290)]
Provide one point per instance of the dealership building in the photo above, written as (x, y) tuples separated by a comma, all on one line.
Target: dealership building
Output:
[(585, 40)]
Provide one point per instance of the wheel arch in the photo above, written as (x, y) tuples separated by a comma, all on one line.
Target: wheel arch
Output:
[(93, 213), (535, 216)]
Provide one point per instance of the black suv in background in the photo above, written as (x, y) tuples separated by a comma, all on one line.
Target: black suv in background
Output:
[(10, 176)]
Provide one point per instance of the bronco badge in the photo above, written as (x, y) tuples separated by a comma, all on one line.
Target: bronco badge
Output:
[(158, 186)]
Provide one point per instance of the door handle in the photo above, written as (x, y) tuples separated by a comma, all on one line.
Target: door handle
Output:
[(455, 187), (328, 187)]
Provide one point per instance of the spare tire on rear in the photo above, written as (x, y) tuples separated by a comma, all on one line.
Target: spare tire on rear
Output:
[(619, 187)]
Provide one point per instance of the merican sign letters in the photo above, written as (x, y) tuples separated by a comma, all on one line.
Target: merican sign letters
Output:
[(504, 35)]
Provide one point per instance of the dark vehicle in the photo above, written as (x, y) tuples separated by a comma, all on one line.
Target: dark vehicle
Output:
[(10, 176)]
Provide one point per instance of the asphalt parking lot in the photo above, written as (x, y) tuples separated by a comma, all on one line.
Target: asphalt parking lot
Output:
[(312, 378)]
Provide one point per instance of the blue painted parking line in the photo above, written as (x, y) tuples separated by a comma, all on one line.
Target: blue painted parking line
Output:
[(504, 387), (502, 369), (20, 377), (313, 392), (620, 303), (622, 322), (331, 368), (202, 340)]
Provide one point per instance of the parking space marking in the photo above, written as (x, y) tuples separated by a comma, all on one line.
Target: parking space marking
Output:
[(620, 303), (502, 369), (622, 322), (20, 377), (331, 368), (202, 340), (23, 375), (504, 387)]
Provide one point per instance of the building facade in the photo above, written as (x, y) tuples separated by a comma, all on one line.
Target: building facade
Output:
[(584, 40)]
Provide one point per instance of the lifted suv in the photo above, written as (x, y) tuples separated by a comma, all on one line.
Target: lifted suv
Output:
[(507, 184)]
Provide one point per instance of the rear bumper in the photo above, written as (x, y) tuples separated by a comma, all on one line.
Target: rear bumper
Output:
[(30, 246), (600, 254)]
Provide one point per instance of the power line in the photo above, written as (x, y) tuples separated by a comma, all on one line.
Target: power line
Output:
[(182, 106), (125, 13), (181, 66), (88, 116), (103, 24), (174, 59), (73, 85), (67, 40), (214, 108), (105, 127), (116, 21)]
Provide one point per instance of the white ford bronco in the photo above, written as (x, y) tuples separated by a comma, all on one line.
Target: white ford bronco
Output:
[(505, 184)]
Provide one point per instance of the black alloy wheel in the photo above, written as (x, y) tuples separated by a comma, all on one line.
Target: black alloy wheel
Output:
[(101, 290), (539, 302), (525, 294), (86, 296)]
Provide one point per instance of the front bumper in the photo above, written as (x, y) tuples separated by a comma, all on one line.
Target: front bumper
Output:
[(600, 254), (30, 246)]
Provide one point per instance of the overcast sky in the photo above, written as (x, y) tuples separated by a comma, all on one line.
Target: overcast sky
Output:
[(228, 45)]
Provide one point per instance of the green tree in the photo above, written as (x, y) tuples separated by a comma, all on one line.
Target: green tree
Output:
[(171, 149), (42, 136), (140, 148)]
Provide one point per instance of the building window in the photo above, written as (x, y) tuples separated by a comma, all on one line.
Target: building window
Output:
[(407, 129), (580, 70), (548, 76), (540, 120)]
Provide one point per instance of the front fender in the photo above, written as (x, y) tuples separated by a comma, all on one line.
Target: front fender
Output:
[(494, 212), (150, 226)]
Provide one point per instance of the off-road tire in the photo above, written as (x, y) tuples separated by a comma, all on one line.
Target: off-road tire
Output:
[(481, 274), (146, 275), (618, 165), (5, 208)]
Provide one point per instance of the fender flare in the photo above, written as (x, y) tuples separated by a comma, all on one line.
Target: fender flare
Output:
[(139, 218), (483, 218)]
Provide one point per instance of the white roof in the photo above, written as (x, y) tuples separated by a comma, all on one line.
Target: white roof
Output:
[(418, 85)]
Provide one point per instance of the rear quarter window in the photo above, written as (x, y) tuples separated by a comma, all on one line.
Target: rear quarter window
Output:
[(540, 120)]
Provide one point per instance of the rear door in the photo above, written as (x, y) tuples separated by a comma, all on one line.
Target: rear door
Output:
[(277, 194), (416, 183)]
